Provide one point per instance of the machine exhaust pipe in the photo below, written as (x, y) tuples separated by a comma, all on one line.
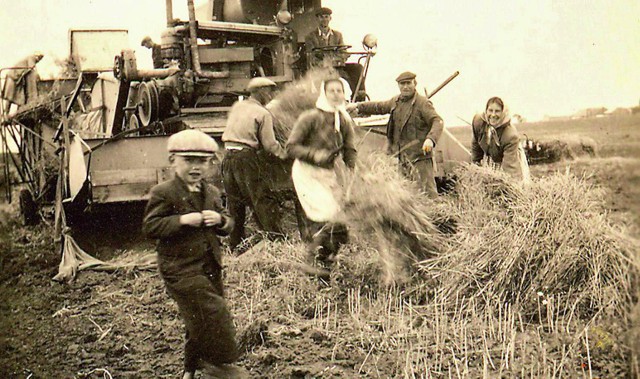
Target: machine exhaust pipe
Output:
[(169, 7), (195, 55)]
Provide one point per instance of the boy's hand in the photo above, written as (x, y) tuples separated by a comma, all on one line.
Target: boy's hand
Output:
[(211, 218), (192, 219)]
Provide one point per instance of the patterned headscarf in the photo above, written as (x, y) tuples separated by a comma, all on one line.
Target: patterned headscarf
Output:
[(490, 130)]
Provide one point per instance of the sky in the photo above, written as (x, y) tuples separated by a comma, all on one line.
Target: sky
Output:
[(543, 57)]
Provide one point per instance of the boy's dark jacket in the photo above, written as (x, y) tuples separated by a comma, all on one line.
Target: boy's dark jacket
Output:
[(185, 250)]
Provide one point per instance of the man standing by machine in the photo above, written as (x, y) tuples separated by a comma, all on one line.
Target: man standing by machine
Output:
[(250, 129), (156, 51), (412, 132), (20, 83), (323, 36)]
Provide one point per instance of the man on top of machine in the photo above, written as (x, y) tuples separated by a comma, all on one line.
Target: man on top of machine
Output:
[(156, 51), (323, 36)]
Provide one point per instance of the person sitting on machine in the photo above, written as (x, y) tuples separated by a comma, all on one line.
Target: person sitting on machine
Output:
[(323, 37)]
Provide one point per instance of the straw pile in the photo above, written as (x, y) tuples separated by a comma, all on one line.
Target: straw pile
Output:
[(387, 212), (550, 241)]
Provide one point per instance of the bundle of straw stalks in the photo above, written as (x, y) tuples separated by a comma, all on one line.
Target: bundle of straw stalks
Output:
[(386, 211), (295, 98), (549, 240)]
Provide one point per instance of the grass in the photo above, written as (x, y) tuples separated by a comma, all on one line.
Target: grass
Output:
[(293, 325)]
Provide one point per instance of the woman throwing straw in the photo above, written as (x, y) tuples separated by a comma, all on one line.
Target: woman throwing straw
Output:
[(318, 137), (496, 138)]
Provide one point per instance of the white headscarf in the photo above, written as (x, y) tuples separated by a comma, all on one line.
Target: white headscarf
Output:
[(323, 103)]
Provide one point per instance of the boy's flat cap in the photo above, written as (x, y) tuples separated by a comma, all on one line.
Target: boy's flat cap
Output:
[(193, 143)]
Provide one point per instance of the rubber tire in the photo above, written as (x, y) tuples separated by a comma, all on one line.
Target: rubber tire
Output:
[(28, 208)]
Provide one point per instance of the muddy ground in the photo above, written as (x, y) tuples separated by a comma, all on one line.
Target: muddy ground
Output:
[(123, 325)]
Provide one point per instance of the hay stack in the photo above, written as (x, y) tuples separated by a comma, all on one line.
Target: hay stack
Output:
[(550, 241)]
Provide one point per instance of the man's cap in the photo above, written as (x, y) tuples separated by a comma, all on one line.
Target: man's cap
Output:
[(407, 75), (323, 11), (145, 40), (260, 82), (192, 143)]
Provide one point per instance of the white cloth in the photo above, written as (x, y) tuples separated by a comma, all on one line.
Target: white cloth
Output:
[(323, 104), (77, 166), (318, 191)]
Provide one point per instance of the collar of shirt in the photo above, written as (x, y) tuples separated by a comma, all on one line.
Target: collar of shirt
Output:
[(190, 187), (407, 99), (251, 99), (323, 35)]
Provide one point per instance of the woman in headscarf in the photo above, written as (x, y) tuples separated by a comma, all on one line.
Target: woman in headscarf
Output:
[(496, 138), (318, 138)]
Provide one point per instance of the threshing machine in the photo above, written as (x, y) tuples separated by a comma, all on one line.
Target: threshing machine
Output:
[(97, 136)]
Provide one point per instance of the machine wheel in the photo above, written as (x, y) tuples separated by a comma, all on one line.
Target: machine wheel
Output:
[(149, 103), (28, 208), (133, 122)]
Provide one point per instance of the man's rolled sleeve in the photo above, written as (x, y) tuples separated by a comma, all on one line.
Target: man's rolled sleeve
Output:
[(268, 137)]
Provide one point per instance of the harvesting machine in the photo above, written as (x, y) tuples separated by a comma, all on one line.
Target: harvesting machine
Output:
[(96, 137)]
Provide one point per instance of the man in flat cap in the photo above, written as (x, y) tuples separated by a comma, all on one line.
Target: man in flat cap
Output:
[(412, 132), (156, 51), (321, 37), (250, 129)]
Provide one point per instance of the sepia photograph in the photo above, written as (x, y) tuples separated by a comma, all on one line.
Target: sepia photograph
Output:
[(301, 189)]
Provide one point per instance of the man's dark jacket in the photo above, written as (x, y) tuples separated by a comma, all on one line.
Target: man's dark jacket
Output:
[(415, 127)]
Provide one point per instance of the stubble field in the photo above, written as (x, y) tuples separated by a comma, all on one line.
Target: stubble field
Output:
[(123, 325)]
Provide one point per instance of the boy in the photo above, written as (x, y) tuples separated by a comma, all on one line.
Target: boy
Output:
[(185, 214)]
